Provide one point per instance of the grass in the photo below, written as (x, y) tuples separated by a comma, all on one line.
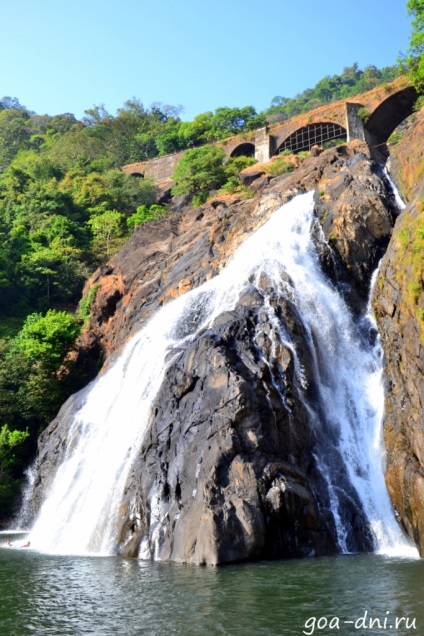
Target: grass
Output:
[(235, 186), (304, 154), (395, 137), (409, 261), (364, 114), (281, 165)]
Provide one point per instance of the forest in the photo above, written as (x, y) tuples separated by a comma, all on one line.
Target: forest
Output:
[(66, 206)]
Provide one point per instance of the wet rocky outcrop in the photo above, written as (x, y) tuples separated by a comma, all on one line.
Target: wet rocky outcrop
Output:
[(164, 259), (399, 305), (227, 470), (357, 210)]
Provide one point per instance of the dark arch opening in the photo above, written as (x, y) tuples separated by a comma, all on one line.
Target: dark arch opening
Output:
[(311, 135), (389, 115), (139, 175), (244, 150)]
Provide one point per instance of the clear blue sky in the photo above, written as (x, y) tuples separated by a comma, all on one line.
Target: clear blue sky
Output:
[(65, 57)]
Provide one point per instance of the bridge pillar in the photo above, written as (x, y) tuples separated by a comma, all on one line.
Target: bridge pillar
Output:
[(262, 145), (354, 124)]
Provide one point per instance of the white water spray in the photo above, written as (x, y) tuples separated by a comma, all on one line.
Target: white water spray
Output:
[(399, 201), (81, 512)]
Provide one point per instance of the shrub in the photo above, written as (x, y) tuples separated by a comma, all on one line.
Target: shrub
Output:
[(231, 185), (85, 303), (235, 186), (235, 165), (364, 114), (395, 137), (304, 154), (198, 172), (333, 142), (279, 166), (145, 214), (419, 103)]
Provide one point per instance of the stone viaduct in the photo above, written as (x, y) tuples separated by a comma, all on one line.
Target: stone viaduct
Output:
[(371, 117)]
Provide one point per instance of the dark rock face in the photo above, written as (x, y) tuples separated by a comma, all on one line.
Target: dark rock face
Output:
[(357, 210), (227, 470), (398, 303)]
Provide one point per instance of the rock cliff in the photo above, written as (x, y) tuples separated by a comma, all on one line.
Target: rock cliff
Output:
[(399, 307), (230, 449)]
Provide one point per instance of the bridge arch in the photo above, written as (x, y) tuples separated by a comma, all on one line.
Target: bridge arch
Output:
[(388, 115), (246, 149), (139, 175), (310, 135), (236, 147)]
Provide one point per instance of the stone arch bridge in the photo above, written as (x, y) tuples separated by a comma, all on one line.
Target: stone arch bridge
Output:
[(371, 117)]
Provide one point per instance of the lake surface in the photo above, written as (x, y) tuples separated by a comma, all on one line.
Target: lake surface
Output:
[(46, 594)]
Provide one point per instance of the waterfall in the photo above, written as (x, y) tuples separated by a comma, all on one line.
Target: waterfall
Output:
[(81, 510), (399, 201)]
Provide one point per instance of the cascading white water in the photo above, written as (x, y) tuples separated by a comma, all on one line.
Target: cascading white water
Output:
[(399, 201), (81, 511)]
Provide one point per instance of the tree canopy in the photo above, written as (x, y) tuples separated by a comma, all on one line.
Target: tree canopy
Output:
[(415, 58), (199, 171), (351, 82)]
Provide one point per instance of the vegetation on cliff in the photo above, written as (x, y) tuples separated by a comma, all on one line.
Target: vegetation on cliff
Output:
[(415, 59), (202, 169), (408, 258)]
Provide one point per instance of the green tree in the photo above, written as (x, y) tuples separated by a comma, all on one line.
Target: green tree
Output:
[(144, 214), (106, 227), (199, 171), (79, 147), (415, 60), (170, 141), (8, 441), (235, 165), (35, 369), (10, 466), (54, 271), (45, 340), (351, 82), (14, 134), (96, 115), (233, 121), (197, 132)]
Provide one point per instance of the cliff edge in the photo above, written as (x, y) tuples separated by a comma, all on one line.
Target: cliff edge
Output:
[(399, 307)]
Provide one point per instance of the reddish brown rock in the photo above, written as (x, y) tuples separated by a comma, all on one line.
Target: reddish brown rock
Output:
[(398, 304)]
